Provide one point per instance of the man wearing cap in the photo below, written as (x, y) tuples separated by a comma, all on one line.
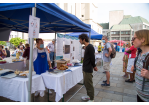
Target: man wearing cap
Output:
[(50, 46)]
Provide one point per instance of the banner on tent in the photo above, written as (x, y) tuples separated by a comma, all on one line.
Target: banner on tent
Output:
[(34, 26), (59, 45)]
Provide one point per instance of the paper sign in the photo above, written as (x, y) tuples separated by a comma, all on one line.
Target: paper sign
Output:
[(34, 26)]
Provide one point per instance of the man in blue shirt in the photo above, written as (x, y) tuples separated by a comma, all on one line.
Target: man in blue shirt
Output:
[(106, 60)]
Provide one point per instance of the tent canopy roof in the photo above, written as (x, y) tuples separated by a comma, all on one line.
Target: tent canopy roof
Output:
[(94, 34), (52, 18)]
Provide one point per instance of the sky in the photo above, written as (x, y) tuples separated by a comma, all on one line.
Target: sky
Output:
[(133, 9)]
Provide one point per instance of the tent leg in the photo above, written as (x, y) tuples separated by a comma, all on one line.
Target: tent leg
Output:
[(31, 61), (55, 50), (89, 37)]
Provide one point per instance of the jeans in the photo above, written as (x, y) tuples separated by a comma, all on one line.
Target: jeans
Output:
[(51, 54)]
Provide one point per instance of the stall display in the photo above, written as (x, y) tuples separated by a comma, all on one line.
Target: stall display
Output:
[(2, 61), (62, 67), (17, 60)]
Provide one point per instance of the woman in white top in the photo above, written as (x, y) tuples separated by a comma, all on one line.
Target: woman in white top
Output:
[(41, 57)]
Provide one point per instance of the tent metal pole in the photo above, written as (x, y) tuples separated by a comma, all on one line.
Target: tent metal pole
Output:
[(31, 60), (55, 50), (89, 36)]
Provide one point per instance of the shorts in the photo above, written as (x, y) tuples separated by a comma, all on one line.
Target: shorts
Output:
[(106, 66), (99, 51), (130, 64)]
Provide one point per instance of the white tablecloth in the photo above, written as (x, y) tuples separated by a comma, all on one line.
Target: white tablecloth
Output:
[(61, 83), (17, 88), (98, 57)]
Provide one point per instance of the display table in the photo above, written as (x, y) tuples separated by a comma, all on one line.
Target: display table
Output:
[(98, 57), (13, 65), (62, 82), (17, 88)]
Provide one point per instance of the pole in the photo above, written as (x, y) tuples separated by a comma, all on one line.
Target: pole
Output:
[(31, 60), (89, 36), (55, 50), (120, 38)]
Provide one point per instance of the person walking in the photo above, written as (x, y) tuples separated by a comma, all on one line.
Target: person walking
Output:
[(141, 40), (88, 66), (106, 60)]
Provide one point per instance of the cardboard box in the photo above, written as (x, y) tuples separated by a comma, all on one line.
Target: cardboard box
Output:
[(63, 61)]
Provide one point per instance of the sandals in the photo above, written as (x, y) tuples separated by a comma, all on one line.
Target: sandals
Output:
[(129, 81)]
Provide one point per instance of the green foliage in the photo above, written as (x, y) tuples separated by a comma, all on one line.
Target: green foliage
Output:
[(3, 43), (16, 41)]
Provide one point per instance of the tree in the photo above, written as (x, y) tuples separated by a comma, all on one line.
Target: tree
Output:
[(3, 43), (16, 41)]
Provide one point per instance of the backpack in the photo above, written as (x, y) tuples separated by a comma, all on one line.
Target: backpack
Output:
[(113, 53)]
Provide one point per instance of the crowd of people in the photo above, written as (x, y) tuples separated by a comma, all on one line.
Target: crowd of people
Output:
[(135, 64), (135, 61)]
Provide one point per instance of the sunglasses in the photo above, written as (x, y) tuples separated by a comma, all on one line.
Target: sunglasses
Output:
[(133, 38)]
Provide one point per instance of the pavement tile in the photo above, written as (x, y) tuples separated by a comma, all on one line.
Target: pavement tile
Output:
[(110, 96), (108, 91), (120, 93), (97, 99), (83, 90), (129, 99), (116, 101), (79, 95), (130, 95), (75, 100), (106, 100), (128, 91), (114, 89)]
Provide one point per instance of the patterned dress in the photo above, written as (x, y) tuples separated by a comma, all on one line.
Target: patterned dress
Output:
[(144, 95)]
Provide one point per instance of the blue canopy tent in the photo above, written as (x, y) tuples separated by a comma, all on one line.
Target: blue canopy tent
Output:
[(15, 16), (52, 18), (94, 34)]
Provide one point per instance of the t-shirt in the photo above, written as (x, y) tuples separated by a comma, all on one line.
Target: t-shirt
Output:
[(133, 51), (51, 47), (99, 48), (105, 50)]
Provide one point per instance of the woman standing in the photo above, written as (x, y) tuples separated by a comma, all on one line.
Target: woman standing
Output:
[(125, 59), (141, 40), (3, 53), (41, 58)]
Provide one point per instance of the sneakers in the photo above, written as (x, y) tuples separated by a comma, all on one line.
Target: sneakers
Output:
[(105, 84), (90, 101), (85, 98), (104, 81)]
